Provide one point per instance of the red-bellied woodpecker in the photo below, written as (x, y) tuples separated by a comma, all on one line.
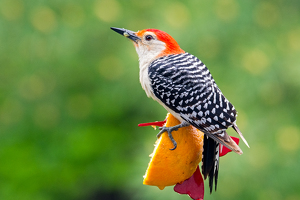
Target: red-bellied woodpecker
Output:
[(183, 85)]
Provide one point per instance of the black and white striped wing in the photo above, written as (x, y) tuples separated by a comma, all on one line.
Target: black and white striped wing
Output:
[(184, 84)]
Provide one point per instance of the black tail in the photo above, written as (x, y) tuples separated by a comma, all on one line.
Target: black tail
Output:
[(210, 161)]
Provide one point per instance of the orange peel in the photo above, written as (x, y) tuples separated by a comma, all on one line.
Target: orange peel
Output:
[(169, 167)]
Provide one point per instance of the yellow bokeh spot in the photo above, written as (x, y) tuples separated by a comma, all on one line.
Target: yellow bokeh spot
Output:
[(177, 15), (79, 106), (110, 68), (43, 19), (107, 11), (294, 39), (12, 9), (288, 138), (73, 15), (266, 14), (259, 156), (255, 61), (11, 111), (32, 87), (46, 116), (226, 10)]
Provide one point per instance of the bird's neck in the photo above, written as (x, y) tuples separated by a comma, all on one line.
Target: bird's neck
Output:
[(146, 57), (144, 76)]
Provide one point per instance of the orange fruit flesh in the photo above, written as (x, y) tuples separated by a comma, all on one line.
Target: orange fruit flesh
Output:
[(169, 167)]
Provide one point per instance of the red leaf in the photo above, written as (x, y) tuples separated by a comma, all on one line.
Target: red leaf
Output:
[(194, 186), (157, 123), (224, 150)]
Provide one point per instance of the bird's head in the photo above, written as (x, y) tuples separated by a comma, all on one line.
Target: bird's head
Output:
[(151, 43)]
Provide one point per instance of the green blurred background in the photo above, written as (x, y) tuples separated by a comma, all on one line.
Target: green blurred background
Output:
[(70, 98)]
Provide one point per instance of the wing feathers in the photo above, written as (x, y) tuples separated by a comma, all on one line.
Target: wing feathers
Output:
[(240, 134), (225, 140), (184, 85)]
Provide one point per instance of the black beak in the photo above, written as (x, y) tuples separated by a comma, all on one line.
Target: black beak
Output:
[(127, 33)]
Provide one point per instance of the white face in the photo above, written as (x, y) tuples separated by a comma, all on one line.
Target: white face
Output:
[(149, 47)]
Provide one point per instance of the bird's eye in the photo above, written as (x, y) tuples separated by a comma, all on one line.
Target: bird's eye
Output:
[(149, 37)]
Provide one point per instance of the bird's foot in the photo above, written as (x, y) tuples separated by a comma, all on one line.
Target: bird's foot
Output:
[(169, 130)]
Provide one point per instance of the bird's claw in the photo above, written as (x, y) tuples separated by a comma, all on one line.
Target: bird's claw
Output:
[(169, 131)]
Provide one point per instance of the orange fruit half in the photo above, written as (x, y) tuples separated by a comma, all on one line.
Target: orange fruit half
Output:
[(169, 167)]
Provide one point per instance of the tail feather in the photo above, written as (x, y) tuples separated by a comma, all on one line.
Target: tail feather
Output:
[(217, 171), (210, 161)]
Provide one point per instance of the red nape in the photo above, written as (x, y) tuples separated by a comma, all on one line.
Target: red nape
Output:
[(224, 150), (172, 46), (194, 186)]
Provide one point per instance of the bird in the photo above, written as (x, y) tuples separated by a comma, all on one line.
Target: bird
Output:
[(184, 86)]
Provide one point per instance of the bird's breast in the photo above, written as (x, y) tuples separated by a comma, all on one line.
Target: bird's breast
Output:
[(145, 81)]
